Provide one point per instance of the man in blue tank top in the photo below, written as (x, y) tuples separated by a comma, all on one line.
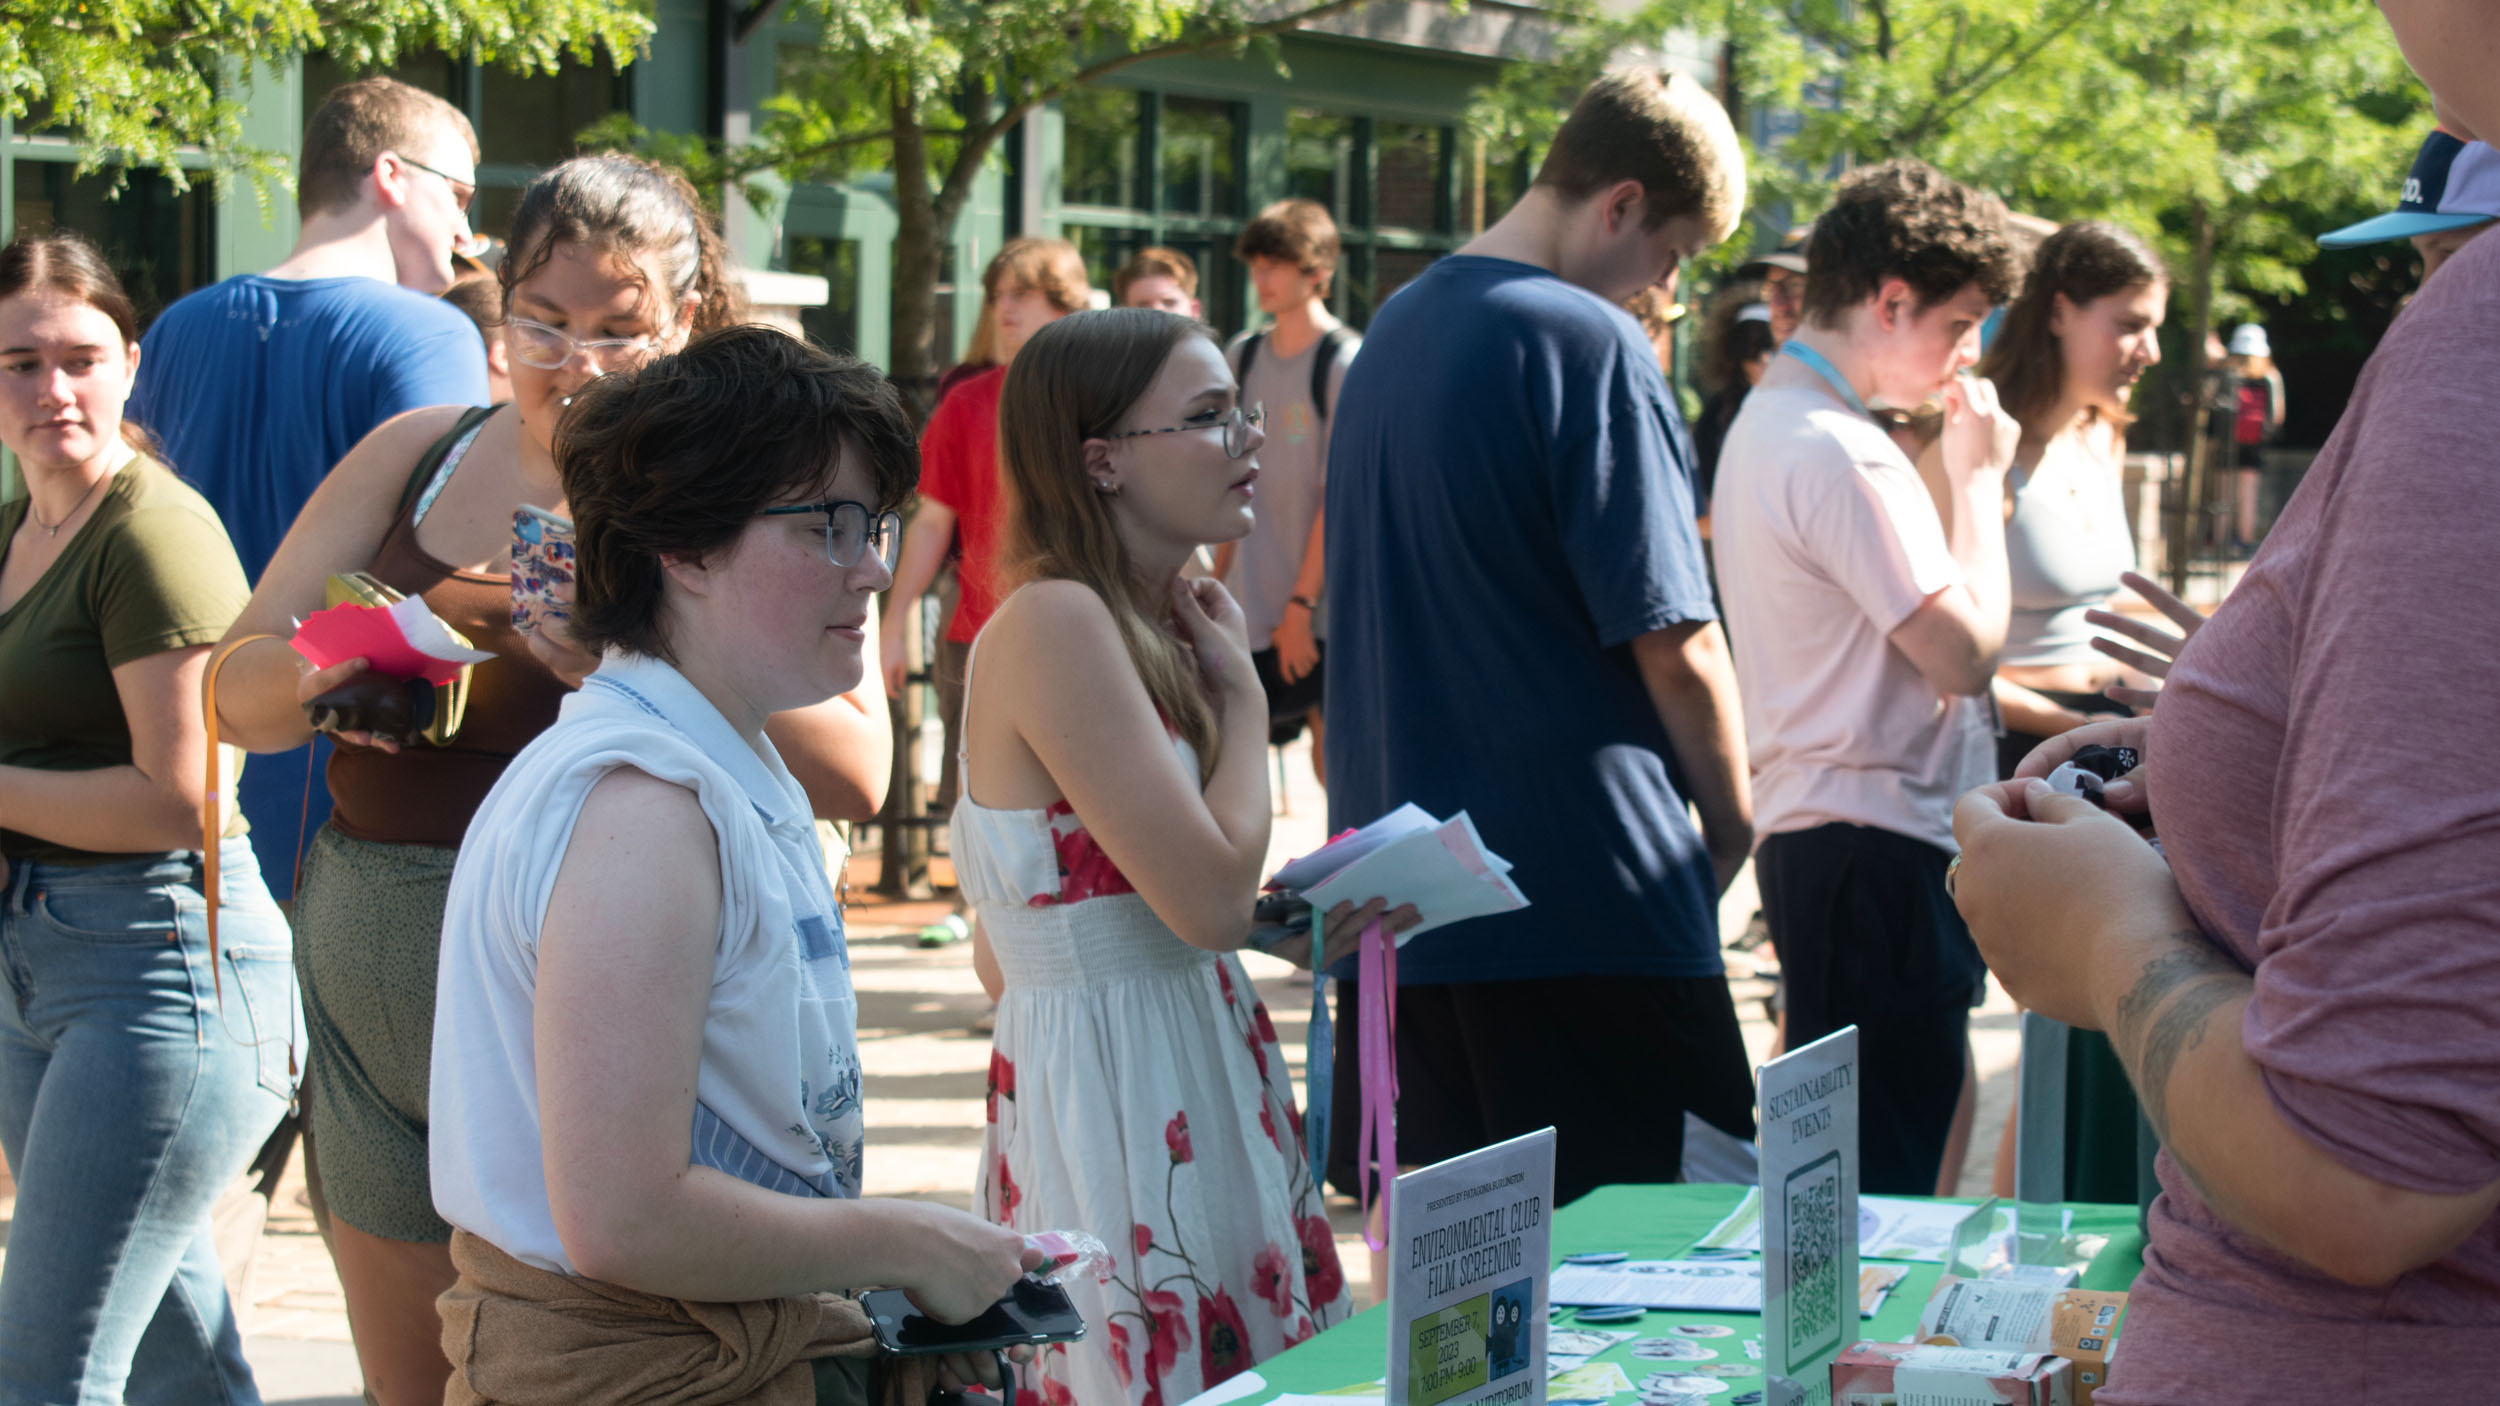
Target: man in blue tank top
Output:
[(258, 384)]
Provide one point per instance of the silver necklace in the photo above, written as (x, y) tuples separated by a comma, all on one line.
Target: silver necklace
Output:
[(53, 529)]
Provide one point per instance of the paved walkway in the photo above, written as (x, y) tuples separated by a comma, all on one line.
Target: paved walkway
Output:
[(925, 1098)]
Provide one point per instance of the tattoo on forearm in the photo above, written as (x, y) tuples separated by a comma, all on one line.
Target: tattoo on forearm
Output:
[(2163, 1016)]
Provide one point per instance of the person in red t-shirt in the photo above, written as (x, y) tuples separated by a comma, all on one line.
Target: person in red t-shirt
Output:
[(1029, 283)]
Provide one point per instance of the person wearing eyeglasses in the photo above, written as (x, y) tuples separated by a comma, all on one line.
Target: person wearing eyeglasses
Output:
[(1111, 835), (611, 262), (258, 385), (646, 1058)]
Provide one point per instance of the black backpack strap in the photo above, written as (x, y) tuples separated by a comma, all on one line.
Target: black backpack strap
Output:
[(1249, 353), (1331, 343)]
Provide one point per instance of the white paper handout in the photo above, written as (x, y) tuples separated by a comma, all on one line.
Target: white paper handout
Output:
[(1695, 1285), (1889, 1228), (1406, 856)]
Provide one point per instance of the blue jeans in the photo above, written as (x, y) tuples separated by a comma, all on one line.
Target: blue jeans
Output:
[(131, 1095)]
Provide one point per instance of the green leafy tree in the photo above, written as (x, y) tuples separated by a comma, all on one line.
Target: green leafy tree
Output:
[(138, 81), (927, 89)]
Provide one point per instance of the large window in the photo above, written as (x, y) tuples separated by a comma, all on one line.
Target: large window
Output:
[(835, 326), (1140, 169), (158, 239), (1143, 170)]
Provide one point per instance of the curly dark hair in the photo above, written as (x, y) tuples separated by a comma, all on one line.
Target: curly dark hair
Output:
[(1905, 219), (675, 457), (626, 206)]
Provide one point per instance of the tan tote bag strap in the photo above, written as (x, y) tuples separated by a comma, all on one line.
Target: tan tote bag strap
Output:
[(212, 807)]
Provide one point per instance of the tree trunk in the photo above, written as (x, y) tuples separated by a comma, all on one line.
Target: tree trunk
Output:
[(919, 262), (2189, 517)]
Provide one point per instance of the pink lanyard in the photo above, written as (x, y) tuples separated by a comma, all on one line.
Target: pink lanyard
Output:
[(1376, 1144)]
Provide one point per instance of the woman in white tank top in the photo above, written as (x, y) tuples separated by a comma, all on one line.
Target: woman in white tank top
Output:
[(1110, 834)]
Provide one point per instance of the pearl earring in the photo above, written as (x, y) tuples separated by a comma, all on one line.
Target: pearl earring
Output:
[(1104, 485)]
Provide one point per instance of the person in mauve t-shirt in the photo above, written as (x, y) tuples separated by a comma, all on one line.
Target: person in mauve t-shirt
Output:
[(2304, 981)]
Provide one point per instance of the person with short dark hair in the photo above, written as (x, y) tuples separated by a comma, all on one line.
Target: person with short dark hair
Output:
[(131, 1094), (645, 1056), (1522, 629), (1292, 369), (1160, 278), (256, 386), (1867, 638)]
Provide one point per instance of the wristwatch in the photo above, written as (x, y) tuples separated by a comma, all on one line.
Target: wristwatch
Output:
[(1305, 602)]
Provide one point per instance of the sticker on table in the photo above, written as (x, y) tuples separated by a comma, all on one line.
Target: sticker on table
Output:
[(1599, 1379), (1580, 1342), (1671, 1350), (1722, 1369), (1684, 1384), (1702, 1330)]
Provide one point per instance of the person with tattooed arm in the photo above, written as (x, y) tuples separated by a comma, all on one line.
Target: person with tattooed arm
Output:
[(2304, 980)]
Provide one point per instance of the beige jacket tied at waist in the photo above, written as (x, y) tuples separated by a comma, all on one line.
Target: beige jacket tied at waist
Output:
[(521, 1336)]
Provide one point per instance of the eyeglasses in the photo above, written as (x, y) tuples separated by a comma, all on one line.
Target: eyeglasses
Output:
[(1236, 424), (851, 528), (550, 349), (462, 192)]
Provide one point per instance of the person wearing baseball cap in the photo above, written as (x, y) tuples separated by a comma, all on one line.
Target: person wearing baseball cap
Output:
[(2452, 195), (1783, 275)]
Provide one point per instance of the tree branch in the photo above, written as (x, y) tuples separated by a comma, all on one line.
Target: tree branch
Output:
[(1947, 105), (978, 141)]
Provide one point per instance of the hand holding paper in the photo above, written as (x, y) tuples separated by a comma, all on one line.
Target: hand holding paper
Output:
[(403, 640), (1440, 868)]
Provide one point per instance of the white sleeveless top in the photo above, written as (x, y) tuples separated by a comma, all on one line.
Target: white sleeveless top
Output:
[(777, 1091)]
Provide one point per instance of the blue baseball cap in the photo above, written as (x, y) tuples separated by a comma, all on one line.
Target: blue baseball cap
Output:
[(2454, 183)]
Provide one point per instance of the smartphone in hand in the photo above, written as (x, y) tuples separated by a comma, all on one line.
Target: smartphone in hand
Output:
[(1032, 1313), (542, 561)]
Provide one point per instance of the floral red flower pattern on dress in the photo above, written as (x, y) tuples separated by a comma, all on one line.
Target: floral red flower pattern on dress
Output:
[(1084, 870), (1322, 1276), (1223, 1339), (1271, 1278), (1176, 1138)]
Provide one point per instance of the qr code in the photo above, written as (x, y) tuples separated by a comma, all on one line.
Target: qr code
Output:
[(1813, 1263)]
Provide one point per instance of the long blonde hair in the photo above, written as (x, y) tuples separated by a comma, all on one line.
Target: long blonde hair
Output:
[(1070, 383)]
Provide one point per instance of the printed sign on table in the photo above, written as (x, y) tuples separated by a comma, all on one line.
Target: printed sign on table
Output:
[(1810, 1211), (1470, 1250)]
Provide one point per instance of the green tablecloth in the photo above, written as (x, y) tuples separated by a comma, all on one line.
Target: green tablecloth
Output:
[(1662, 1222)]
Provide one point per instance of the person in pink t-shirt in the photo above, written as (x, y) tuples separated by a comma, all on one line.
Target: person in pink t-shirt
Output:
[(2304, 982)]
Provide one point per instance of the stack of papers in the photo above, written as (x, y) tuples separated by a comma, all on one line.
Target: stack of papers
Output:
[(1696, 1285), (1407, 856), (1889, 1228)]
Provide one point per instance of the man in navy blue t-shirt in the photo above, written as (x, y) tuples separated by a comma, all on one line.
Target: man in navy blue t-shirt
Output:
[(1519, 602), (258, 385)]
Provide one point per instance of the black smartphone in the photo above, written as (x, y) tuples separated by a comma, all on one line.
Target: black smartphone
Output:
[(1032, 1313), (1279, 918)]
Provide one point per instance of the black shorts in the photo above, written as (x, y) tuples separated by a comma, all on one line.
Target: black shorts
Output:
[(1289, 705), (1611, 1062), (1867, 936)]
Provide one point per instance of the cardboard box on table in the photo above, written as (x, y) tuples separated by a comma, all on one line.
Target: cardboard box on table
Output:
[(1920, 1374)]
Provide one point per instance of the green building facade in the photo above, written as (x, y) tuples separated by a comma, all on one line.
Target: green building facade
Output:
[(1178, 152)]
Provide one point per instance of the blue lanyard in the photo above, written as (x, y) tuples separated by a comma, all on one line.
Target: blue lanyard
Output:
[(1319, 1062), (1823, 367)]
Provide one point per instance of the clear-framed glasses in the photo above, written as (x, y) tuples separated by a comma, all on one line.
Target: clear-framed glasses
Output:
[(850, 529), (462, 191), (550, 349), (1236, 424)]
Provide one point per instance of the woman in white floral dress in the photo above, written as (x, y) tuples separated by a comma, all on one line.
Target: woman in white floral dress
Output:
[(1110, 834)]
